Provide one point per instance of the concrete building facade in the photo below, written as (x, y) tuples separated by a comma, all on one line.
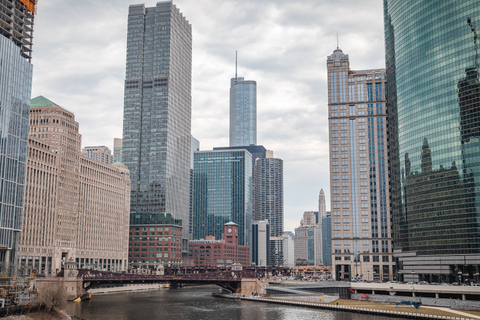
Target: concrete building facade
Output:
[(359, 178), (260, 246), (98, 153), (288, 249), (75, 207), (117, 150)]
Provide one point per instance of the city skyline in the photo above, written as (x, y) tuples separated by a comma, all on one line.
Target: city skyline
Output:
[(283, 51)]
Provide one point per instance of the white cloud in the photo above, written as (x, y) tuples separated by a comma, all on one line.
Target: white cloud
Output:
[(79, 63)]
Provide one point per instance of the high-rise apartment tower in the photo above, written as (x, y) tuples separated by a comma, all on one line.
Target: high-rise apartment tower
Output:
[(157, 112), (359, 179)]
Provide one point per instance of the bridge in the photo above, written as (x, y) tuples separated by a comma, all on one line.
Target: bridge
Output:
[(231, 280)]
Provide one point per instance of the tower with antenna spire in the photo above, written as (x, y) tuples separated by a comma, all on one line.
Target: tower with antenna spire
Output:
[(243, 110)]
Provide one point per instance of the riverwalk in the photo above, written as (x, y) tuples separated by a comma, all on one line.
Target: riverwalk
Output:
[(423, 312)]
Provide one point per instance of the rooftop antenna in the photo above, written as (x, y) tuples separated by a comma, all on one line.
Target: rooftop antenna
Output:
[(337, 42), (235, 65)]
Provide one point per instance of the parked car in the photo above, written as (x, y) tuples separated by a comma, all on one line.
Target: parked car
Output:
[(454, 284), (423, 282)]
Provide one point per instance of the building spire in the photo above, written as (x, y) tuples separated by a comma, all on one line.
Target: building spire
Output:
[(337, 42), (235, 65)]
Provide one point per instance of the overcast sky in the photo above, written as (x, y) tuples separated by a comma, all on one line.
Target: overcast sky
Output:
[(79, 63)]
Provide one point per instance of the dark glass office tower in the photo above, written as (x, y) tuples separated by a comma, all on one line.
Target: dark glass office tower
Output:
[(222, 193), (243, 112), (16, 33), (433, 110), (157, 112)]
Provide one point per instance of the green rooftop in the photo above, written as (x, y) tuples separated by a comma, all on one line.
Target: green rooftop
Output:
[(41, 101)]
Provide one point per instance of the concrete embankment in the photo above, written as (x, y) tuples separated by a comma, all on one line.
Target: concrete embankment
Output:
[(334, 307), (138, 287)]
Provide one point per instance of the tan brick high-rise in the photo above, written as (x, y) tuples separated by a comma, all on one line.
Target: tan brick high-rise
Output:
[(75, 207), (359, 179)]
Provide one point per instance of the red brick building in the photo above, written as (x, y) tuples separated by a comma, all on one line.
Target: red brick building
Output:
[(152, 245), (211, 252)]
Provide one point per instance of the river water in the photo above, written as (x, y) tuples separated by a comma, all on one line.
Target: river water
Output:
[(195, 303)]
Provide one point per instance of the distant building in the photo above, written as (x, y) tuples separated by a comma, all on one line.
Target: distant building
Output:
[(164, 250), (98, 153), (225, 252), (260, 246), (288, 249), (243, 112), (75, 207), (308, 240), (195, 146), (222, 193), (327, 239), (117, 150)]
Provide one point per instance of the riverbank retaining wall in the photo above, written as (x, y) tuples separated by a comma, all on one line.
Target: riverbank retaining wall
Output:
[(448, 303)]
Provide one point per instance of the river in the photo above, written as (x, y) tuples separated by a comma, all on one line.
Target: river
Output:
[(194, 303)]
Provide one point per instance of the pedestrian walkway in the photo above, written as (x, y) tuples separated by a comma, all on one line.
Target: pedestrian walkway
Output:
[(465, 314)]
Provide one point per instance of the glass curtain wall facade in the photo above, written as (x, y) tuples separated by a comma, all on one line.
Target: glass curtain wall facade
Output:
[(15, 93), (434, 116), (359, 181), (157, 112), (222, 193), (243, 112)]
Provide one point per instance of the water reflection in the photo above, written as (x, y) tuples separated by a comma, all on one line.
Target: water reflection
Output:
[(194, 303)]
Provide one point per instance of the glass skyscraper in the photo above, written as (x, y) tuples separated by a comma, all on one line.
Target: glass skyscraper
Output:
[(16, 25), (243, 112), (222, 193), (157, 112), (432, 60)]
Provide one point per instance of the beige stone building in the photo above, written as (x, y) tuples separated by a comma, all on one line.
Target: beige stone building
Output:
[(75, 207), (359, 179)]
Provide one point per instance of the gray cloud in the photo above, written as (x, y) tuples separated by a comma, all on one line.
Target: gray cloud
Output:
[(79, 63)]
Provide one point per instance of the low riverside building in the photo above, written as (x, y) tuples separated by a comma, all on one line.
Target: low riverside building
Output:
[(156, 243), (211, 252), (76, 209)]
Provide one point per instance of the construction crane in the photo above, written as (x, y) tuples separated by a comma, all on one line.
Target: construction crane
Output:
[(472, 26)]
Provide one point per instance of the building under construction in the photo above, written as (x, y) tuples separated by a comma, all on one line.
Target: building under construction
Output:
[(16, 30), (16, 23)]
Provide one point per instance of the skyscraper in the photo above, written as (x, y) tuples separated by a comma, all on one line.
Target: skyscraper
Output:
[(322, 206), (222, 193), (433, 108), (157, 112), (268, 203), (117, 150), (359, 180), (16, 33), (243, 112)]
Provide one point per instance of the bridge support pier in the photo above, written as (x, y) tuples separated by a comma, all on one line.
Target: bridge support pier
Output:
[(250, 286)]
